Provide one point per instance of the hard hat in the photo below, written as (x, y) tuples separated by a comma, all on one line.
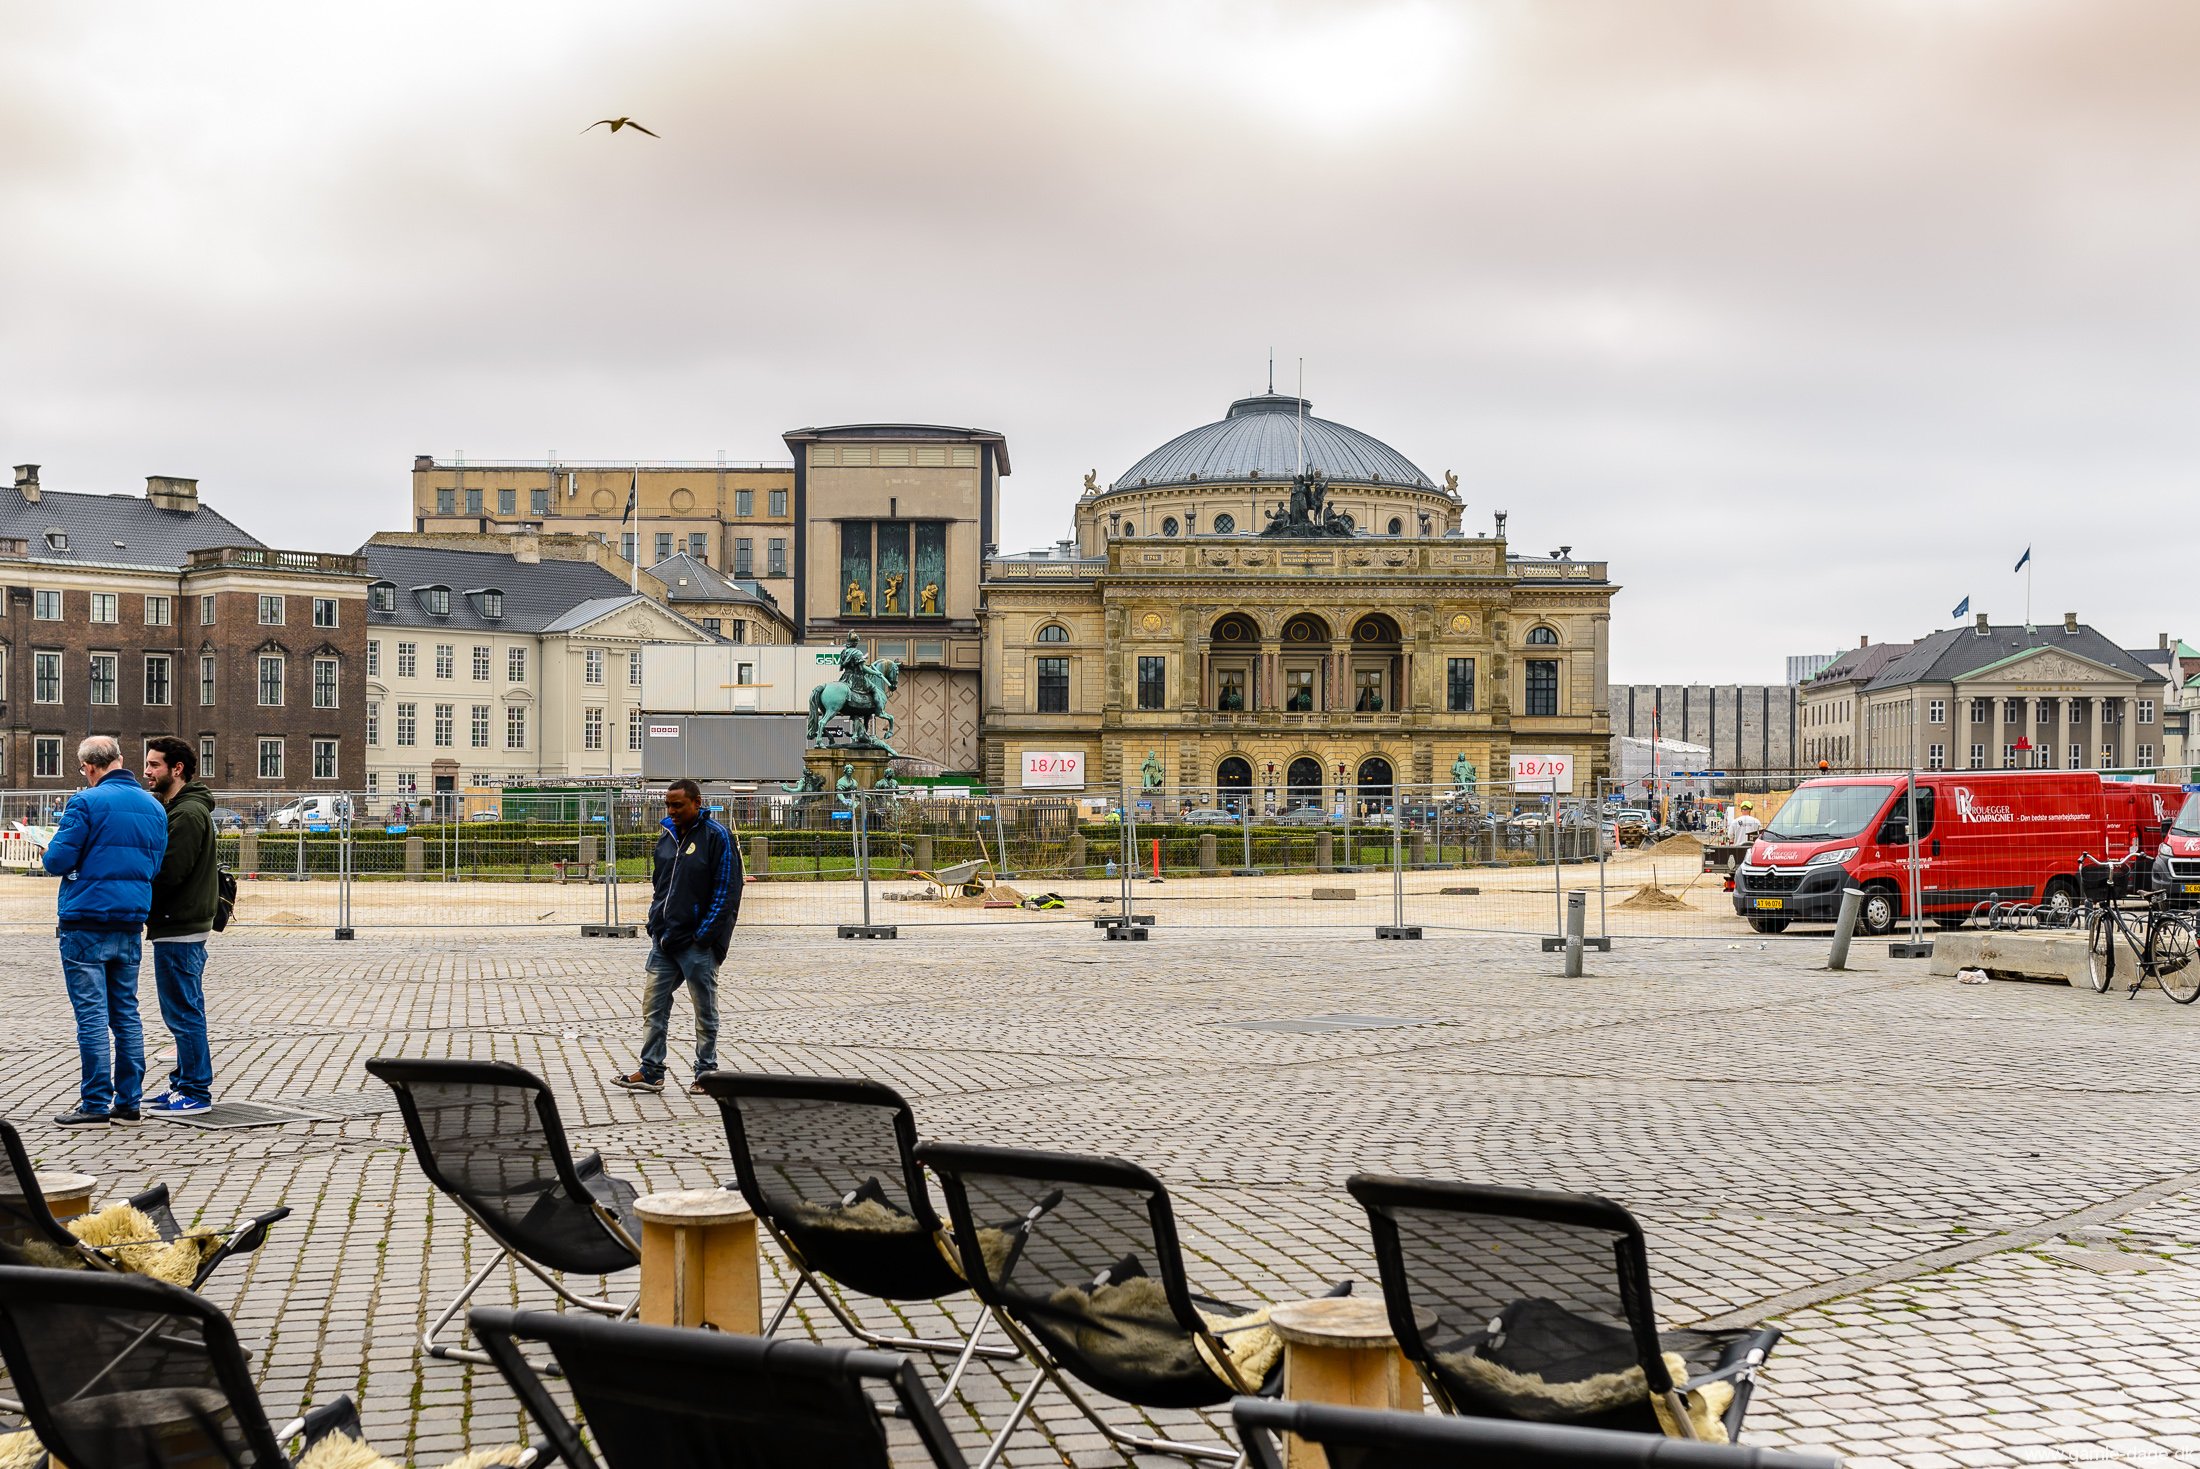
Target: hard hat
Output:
[(1747, 807)]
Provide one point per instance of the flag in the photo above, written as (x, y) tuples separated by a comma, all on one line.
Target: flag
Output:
[(1963, 610), (2027, 556), (634, 491)]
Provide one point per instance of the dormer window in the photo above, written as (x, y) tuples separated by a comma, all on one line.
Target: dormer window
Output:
[(488, 602), (382, 596), (57, 540), (435, 601)]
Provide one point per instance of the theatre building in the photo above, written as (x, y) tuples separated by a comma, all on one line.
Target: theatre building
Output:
[(1304, 625)]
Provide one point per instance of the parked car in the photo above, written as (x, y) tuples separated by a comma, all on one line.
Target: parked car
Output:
[(309, 810), (1302, 816), (227, 818), (1209, 816), (487, 816)]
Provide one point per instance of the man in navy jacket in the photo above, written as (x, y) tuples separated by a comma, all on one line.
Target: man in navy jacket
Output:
[(696, 894), (105, 850)]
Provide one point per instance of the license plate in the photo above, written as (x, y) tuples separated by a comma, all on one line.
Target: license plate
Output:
[(1772, 902), (2192, 887)]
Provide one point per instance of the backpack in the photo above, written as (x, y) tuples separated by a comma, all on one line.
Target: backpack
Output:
[(225, 897)]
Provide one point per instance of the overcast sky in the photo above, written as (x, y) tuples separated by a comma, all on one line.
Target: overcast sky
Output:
[(1809, 317)]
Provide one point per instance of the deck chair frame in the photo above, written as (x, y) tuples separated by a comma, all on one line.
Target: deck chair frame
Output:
[(727, 1088), (400, 1074), (1587, 1211), (1474, 1441), (502, 1331), (948, 1161)]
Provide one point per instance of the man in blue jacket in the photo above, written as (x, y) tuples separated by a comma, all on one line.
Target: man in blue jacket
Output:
[(105, 850), (696, 882)]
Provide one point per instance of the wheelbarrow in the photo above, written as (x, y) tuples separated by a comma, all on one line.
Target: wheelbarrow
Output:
[(960, 880)]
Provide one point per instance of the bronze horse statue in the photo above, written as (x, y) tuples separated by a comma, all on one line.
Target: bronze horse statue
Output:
[(859, 701)]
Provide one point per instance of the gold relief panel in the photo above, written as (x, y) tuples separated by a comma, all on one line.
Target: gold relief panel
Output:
[(1461, 624), (1152, 623)]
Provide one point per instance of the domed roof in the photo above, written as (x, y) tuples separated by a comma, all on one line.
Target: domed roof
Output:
[(1258, 438)]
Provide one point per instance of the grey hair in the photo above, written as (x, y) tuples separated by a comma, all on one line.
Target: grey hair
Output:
[(100, 751)]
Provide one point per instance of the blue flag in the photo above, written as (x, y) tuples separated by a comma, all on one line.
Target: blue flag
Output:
[(1963, 610), (2027, 556)]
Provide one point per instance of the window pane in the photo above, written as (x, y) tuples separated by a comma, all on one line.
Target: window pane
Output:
[(1153, 675), (1542, 676), (1459, 685), (779, 502), (1053, 685)]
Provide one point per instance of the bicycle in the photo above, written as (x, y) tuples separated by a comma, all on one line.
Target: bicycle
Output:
[(2163, 943)]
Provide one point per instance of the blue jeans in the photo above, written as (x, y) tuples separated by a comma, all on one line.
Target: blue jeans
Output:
[(697, 968), (102, 974), (178, 972)]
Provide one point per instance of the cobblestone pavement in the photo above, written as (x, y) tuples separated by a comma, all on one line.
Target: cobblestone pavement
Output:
[(1973, 1209)]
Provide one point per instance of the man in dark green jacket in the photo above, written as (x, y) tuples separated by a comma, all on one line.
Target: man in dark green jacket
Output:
[(185, 892)]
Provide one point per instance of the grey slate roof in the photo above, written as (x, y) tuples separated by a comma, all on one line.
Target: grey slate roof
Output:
[(1261, 433), (1860, 663), (534, 595), (149, 536), (689, 580), (580, 614), (1945, 656)]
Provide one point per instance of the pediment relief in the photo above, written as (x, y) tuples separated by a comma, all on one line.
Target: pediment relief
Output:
[(2048, 667)]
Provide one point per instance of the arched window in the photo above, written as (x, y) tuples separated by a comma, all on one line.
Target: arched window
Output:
[(1130, 528), (1542, 637), (1397, 526), (1303, 782), (1225, 524), (1168, 525), (1054, 632)]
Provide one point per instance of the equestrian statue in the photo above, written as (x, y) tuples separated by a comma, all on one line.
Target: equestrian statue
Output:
[(858, 697)]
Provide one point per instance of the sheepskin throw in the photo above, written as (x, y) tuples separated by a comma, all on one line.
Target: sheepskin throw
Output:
[(340, 1451), (131, 1240), (20, 1450), (1132, 1324), (1523, 1395)]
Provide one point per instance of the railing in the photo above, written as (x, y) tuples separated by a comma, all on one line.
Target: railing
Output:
[(1045, 570), (267, 558), (699, 465)]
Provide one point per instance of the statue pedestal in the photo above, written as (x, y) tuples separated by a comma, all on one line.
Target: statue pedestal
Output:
[(827, 762)]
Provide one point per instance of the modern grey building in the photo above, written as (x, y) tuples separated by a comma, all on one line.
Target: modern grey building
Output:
[(1747, 727)]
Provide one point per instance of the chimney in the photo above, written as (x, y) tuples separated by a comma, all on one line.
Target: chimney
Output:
[(1983, 628), (527, 550), (423, 461), (167, 492), (1864, 641), (2161, 641), (26, 482), (2070, 624)]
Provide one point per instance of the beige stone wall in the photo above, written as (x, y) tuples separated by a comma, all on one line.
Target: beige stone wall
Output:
[(1131, 513)]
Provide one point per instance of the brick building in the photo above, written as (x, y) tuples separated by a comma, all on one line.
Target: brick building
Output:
[(142, 616)]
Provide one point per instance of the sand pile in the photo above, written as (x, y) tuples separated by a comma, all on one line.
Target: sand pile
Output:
[(1653, 898), (1680, 841)]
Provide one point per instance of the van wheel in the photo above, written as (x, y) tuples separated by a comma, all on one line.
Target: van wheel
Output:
[(2059, 903), (1769, 922), (1879, 911)]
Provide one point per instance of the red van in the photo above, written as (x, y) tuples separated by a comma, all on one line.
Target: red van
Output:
[(2177, 863), (1983, 836)]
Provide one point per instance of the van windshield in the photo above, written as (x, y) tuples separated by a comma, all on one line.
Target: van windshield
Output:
[(2188, 820), (1826, 813)]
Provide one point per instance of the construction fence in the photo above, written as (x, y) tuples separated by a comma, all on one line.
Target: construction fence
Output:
[(1403, 862)]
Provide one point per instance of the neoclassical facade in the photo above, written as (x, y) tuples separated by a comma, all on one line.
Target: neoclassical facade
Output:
[(1307, 670)]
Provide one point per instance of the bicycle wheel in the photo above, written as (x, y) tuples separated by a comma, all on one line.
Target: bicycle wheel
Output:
[(2100, 952), (2171, 951)]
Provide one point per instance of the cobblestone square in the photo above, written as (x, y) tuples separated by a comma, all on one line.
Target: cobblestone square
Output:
[(1972, 1208)]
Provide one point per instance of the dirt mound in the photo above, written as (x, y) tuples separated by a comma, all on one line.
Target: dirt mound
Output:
[(1654, 899), (1680, 841), (284, 918)]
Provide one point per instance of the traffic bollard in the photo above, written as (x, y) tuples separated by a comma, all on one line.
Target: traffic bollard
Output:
[(1844, 928), (1577, 917)]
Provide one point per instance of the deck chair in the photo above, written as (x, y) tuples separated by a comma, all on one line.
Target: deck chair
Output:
[(31, 1236), (1077, 1258), (487, 1134), (1364, 1438), (829, 1165), (126, 1372), (1530, 1304), (656, 1397)]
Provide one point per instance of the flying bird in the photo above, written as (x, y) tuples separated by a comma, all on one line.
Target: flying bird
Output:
[(615, 123)]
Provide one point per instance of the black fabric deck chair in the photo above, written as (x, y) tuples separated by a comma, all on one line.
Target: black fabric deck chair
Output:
[(1363, 1438), (656, 1397), (1077, 1258), (487, 1134), (1529, 1304), (829, 1165), (31, 1236), (124, 1372)]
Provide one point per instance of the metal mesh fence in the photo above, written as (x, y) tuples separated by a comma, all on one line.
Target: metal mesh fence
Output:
[(1702, 858)]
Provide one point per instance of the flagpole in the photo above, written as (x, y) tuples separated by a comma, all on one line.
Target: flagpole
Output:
[(634, 498)]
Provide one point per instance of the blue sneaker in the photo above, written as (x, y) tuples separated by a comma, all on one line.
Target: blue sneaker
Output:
[(175, 1104)]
